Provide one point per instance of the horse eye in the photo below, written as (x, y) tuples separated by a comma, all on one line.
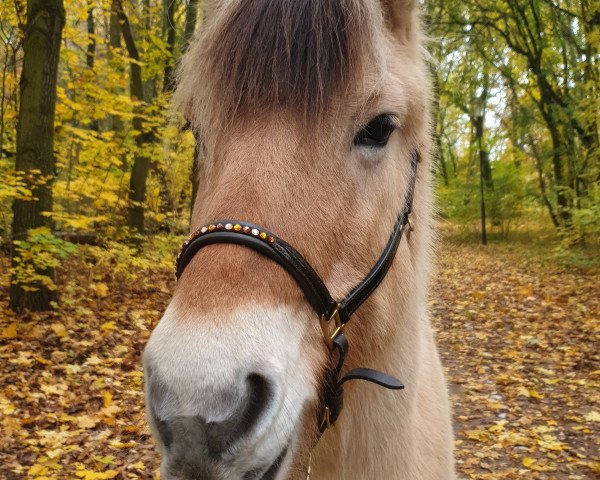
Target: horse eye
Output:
[(376, 133)]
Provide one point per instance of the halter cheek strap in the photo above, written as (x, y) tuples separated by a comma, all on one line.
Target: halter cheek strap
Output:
[(333, 315)]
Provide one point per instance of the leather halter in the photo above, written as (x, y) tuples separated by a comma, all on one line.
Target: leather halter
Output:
[(334, 315)]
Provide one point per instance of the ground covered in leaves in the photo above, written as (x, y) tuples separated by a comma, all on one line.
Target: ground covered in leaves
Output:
[(520, 341), (519, 338)]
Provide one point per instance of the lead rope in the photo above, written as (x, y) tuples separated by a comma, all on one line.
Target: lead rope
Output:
[(309, 468)]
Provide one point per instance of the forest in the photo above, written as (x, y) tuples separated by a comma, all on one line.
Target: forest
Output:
[(97, 180), (516, 124)]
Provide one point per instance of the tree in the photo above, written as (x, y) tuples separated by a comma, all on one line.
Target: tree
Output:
[(91, 48), (191, 17), (541, 57), (546, 37), (35, 137), (169, 27), (141, 163)]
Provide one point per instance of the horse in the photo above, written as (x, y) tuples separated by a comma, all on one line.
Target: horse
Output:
[(312, 121)]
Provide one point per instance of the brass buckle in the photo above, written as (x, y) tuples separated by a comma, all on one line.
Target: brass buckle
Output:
[(328, 335), (411, 227)]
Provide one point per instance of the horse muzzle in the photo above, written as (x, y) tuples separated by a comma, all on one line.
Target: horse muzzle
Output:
[(225, 409)]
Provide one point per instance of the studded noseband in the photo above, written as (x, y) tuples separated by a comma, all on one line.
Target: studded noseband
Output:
[(333, 315)]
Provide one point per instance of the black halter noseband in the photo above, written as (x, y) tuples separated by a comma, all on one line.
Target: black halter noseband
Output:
[(315, 291)]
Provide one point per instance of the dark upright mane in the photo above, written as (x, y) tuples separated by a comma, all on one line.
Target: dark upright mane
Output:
[(294, 53)]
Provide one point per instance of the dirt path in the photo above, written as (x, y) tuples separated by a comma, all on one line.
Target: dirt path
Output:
[(520, 344)]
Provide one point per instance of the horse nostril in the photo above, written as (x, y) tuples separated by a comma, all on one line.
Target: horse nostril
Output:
[(255, 402), (183, 433), (165, 431), (259, 396)]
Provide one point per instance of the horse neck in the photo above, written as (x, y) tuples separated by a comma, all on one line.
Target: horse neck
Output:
[(370, 438)]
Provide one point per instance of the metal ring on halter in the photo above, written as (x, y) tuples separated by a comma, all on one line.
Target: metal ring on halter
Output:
[(328, 334)]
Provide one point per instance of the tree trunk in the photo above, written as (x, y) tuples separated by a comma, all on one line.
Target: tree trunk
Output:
[(114, 27), (35, 133), (485, 169), (141, 163), (484, 156), (91, 30), (482, 200), (191, 16), (438, 124), (561, 188), (169, 28), (3, 102), (540, 171), (114, 43), (90, 54), (485, 166)]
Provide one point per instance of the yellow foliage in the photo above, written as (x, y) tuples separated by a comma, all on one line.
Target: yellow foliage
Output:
[(92, 475)]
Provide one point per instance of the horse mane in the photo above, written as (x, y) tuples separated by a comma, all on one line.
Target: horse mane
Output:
[(288, 53)]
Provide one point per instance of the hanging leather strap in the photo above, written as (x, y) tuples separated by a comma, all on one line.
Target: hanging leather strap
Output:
[(334, 391)]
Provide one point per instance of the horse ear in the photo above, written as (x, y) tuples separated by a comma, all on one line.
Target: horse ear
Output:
[(402, 17)]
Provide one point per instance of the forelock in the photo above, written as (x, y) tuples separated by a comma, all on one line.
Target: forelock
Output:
[(294, 54)]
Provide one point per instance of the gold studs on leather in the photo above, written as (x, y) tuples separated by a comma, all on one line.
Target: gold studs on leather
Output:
[(231, 227)]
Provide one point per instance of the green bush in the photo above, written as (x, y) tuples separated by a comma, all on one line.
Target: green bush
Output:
[(36, 257), (505, 202)]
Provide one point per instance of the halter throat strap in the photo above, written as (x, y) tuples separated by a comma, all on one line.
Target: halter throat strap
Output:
[(334, 315)]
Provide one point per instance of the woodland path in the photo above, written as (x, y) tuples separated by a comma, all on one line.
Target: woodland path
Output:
[(520, 343)]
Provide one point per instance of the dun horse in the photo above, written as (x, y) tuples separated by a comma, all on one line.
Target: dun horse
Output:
[(313, 124)]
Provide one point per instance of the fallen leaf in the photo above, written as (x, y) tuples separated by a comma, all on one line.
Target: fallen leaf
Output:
[(107, 399), (593, 416), (10, 331), (528, 461), (59, 329), (101, 290), (91, 475)]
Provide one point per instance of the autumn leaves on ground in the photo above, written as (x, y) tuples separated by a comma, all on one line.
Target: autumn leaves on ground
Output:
[(518, 334)]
